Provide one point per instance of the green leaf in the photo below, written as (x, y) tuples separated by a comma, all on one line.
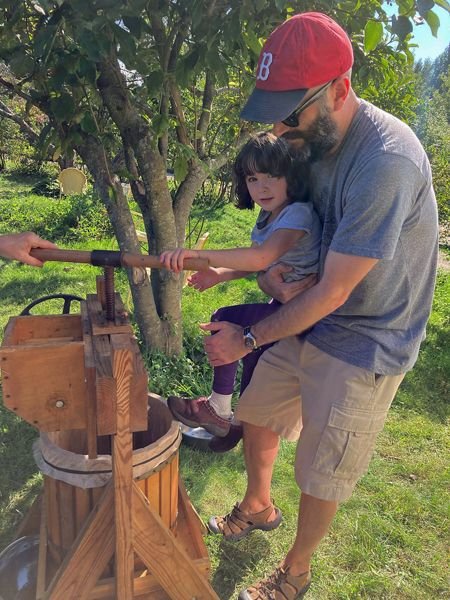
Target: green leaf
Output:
[(127, 45), (280, 4), (160, 124), (373, 34), (406, 7), (443, 4), (63, 107), (433, 21), (88, 124), (154, 82), (252, 41), (180, 168), (89, 44), (21, 64), (87, 70)]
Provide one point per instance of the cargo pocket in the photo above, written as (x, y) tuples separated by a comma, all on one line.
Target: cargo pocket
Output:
[(347, 443)]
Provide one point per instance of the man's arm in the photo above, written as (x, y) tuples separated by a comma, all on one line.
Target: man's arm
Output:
[(17, 246), (342, 273)]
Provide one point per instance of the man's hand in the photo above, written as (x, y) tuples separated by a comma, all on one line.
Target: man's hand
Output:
[(226, 345), (203, 280), (272, 283), (18, 245)]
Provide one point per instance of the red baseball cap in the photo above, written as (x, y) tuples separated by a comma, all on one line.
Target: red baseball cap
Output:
[(306, 51)]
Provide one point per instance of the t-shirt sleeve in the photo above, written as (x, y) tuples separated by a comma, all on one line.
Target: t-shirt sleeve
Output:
[(297, 215), (377, 204)]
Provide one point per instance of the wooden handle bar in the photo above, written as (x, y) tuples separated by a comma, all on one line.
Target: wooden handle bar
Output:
[(123, 259)]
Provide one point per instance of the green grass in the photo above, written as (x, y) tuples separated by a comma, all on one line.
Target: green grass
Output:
[(389, 541)]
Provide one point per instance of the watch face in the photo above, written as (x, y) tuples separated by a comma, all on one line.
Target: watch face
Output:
[(249, 342)]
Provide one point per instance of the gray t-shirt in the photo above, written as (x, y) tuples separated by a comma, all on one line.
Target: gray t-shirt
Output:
[(375, 199), (304, 256)]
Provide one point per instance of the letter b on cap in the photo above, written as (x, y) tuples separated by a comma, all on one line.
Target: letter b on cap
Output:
[(264, 71)]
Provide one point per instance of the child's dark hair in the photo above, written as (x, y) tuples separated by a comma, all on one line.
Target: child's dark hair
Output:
[(266, 153)]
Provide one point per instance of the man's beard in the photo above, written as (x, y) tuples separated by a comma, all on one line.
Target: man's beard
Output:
[(320, 137)]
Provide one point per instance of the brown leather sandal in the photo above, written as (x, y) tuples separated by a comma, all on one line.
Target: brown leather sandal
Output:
[(280, 585), (237, 524)]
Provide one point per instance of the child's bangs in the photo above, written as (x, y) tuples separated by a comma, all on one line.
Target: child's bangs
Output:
[(266, 159)]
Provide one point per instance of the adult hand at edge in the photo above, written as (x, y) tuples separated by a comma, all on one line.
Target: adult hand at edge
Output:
[(272, 283), (17, 246), (226, 345)]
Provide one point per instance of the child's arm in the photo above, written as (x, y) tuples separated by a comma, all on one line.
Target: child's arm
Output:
[(257, 258)]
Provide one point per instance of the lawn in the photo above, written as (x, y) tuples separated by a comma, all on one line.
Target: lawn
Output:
[(389, 541)]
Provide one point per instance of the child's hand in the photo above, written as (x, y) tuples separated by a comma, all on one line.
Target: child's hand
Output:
[(202, 280), (174, 259)]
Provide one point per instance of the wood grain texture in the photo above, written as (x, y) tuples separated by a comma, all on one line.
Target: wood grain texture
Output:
[(89, 555), (122, 459), (164, 556)]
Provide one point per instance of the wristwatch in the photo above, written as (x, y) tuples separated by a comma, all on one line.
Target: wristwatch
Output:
[(249, 339)]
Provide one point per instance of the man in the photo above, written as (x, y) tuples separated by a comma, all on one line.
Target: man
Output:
[(361, 325), (17, 246)]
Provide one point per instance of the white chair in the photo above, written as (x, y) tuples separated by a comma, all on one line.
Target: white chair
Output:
[(72, 181)]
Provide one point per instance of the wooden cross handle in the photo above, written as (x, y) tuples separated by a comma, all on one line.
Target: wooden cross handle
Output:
[(111, 258)]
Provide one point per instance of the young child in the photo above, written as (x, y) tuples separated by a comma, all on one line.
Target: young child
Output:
[(287, 230)]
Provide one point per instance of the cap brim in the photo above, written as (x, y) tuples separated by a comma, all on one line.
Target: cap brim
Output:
[(271, 107)]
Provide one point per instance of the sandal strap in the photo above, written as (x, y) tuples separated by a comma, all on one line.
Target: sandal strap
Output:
[(237, 520), (280, 585)]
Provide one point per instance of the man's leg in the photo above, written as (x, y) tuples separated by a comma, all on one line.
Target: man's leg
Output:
[(314, 519)]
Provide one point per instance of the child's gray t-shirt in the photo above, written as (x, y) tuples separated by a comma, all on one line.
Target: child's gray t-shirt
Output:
[(375, 199), (304, 256)]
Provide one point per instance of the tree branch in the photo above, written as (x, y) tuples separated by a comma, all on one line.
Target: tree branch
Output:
[(205, 116)]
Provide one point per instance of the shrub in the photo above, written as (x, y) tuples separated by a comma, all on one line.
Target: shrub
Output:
[(71, 218)]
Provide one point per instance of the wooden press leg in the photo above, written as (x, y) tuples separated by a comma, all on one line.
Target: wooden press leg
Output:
[(122, 456)]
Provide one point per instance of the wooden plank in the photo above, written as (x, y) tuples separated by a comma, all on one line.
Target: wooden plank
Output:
[(139, 392), (154, 491), (82, 507), (190, 526), (45, 385), (105, 386), (122, 465), (173, 491), (22, 330), (163, 555), (165, 495), (90, 374), (89, 555), (67, 514), (100, 326), (144, 587)]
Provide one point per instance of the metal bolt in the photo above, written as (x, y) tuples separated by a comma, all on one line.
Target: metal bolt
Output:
[(59, 404)]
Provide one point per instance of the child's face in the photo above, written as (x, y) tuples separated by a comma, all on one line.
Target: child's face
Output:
[(267, 191)]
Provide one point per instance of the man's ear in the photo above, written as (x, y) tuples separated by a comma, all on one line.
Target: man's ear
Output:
[(340, 91)]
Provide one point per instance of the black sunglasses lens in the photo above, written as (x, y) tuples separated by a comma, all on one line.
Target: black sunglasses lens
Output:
[(291, 120)]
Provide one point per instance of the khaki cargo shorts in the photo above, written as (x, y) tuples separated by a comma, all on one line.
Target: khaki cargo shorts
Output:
[(335, 410)]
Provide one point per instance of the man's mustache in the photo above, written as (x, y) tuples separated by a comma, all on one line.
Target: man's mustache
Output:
[(294, 135)]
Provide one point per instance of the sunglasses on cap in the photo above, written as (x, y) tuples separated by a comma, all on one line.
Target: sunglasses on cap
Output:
[(292, 119)]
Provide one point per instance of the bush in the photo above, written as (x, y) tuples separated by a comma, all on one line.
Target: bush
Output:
[(71, 218)]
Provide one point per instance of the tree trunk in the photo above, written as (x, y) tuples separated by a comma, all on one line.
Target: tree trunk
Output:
[(155, 331)]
